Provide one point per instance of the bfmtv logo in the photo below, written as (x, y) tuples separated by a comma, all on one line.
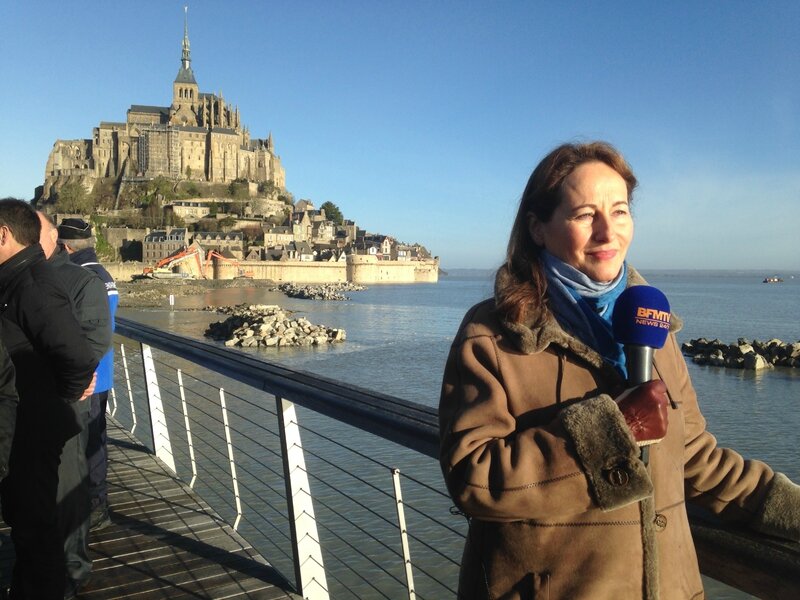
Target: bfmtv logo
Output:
[(652, 317)]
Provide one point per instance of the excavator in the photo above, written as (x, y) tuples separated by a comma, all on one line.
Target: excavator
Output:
[(241, 273), (163, 268)]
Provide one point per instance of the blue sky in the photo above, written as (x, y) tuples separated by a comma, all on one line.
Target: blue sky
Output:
[(424, 119)]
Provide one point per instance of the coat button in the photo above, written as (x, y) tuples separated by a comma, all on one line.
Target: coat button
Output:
[(617, 476), (660, 522)]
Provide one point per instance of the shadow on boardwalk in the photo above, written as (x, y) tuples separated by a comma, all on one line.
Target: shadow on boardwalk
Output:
[(164, 541)]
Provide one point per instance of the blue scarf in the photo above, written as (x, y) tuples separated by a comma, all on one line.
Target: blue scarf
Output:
[(583, 307)]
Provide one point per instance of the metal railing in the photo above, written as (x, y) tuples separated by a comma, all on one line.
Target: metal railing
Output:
[(338, 485)]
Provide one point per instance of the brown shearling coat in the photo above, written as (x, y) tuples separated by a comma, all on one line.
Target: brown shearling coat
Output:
[(537, 454)]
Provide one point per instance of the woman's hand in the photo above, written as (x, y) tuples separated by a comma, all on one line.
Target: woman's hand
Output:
[(645, 410)]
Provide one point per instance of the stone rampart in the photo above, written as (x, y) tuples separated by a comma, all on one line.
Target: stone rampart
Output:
[(363, 270), (123, 271), (367, 270)]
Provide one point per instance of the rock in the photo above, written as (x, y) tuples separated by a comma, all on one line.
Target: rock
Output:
[(269, 326), (743, 354), (325, 291), (755, 362)]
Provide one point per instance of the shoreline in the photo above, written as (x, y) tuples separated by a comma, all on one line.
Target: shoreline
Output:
[(152, 293)]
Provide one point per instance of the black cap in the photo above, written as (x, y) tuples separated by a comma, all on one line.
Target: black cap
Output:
[(74, 229)]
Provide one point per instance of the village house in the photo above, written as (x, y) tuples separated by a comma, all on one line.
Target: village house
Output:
[(161, 243), (277, 235), (330, 253), (301, 226), (189, 211), (229, 244), (323, 231), (303, 205), (367, 247), (301, 251), (402, 252)]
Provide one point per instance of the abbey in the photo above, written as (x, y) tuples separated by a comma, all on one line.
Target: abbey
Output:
[(198, 137)]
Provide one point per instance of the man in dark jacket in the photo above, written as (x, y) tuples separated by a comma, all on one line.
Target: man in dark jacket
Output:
[(54, 366), (88, 296), (75, 235), (8, 408)]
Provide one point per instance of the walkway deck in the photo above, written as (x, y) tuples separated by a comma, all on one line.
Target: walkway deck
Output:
[(164, 541)]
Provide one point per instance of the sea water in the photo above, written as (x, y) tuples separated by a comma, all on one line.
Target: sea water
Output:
[(398, 337)]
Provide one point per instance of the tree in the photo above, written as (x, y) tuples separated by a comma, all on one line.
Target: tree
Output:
[(103, 194), (332, 212), (268, 188), (153, 213), (286, 197), (162, 188), (72, 198), (238, 189)]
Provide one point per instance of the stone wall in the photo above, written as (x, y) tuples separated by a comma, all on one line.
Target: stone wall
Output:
[(364, 270), (369, 270), (123, 271)]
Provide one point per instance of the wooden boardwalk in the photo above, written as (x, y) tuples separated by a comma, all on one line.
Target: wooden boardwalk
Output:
[(164, 541)]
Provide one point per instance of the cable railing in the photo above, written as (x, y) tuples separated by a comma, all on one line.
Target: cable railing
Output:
[(335, 484)]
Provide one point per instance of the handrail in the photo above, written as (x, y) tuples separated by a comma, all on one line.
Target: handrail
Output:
[(409, 424), (753, 563)]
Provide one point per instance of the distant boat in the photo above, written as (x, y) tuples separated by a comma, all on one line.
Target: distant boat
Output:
[(774, 279)]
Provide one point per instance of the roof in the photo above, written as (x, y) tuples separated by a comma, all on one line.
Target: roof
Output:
[(156, 236), (141, 108), (302, 247), (279, 229), (185, 76), (190, 128), (208, 235), (177, 231)]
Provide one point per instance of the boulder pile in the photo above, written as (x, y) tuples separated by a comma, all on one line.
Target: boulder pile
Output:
[(323, 291), (267, 325), (744, 354)]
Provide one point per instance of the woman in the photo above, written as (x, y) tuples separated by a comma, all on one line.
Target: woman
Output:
[(539, 440)]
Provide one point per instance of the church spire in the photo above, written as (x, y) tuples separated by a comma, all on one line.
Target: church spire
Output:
[(185, 74), (186, 60)]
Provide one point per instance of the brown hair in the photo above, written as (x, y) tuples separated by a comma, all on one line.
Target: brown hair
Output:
[(520, 283)]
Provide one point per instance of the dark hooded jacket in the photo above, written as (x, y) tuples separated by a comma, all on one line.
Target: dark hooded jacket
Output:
[(54, 362), (8, 407), (88, 295)]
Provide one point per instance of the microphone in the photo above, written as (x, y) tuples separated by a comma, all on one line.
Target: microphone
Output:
[(640, 322)]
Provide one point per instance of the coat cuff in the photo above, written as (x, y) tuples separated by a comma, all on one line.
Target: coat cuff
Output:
[(780, 514), (607, 452)]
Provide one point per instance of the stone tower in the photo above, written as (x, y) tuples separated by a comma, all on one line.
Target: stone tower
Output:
[(185, 92)]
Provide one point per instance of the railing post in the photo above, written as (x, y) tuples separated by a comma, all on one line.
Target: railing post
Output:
[(112, 409), (158, 421), (401, 520), (230, 459), (188, 429), (130, 388), (308, 566)]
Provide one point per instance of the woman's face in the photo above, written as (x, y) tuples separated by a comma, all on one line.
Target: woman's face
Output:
[(591, 227)]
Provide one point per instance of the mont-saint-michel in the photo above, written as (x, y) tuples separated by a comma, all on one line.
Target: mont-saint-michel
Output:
[(184, 191)]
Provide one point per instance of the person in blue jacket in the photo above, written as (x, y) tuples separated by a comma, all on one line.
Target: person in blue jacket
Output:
[(77, 238)]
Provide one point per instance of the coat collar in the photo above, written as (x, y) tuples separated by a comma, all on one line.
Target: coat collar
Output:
[(21, 260), (540, 328)]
